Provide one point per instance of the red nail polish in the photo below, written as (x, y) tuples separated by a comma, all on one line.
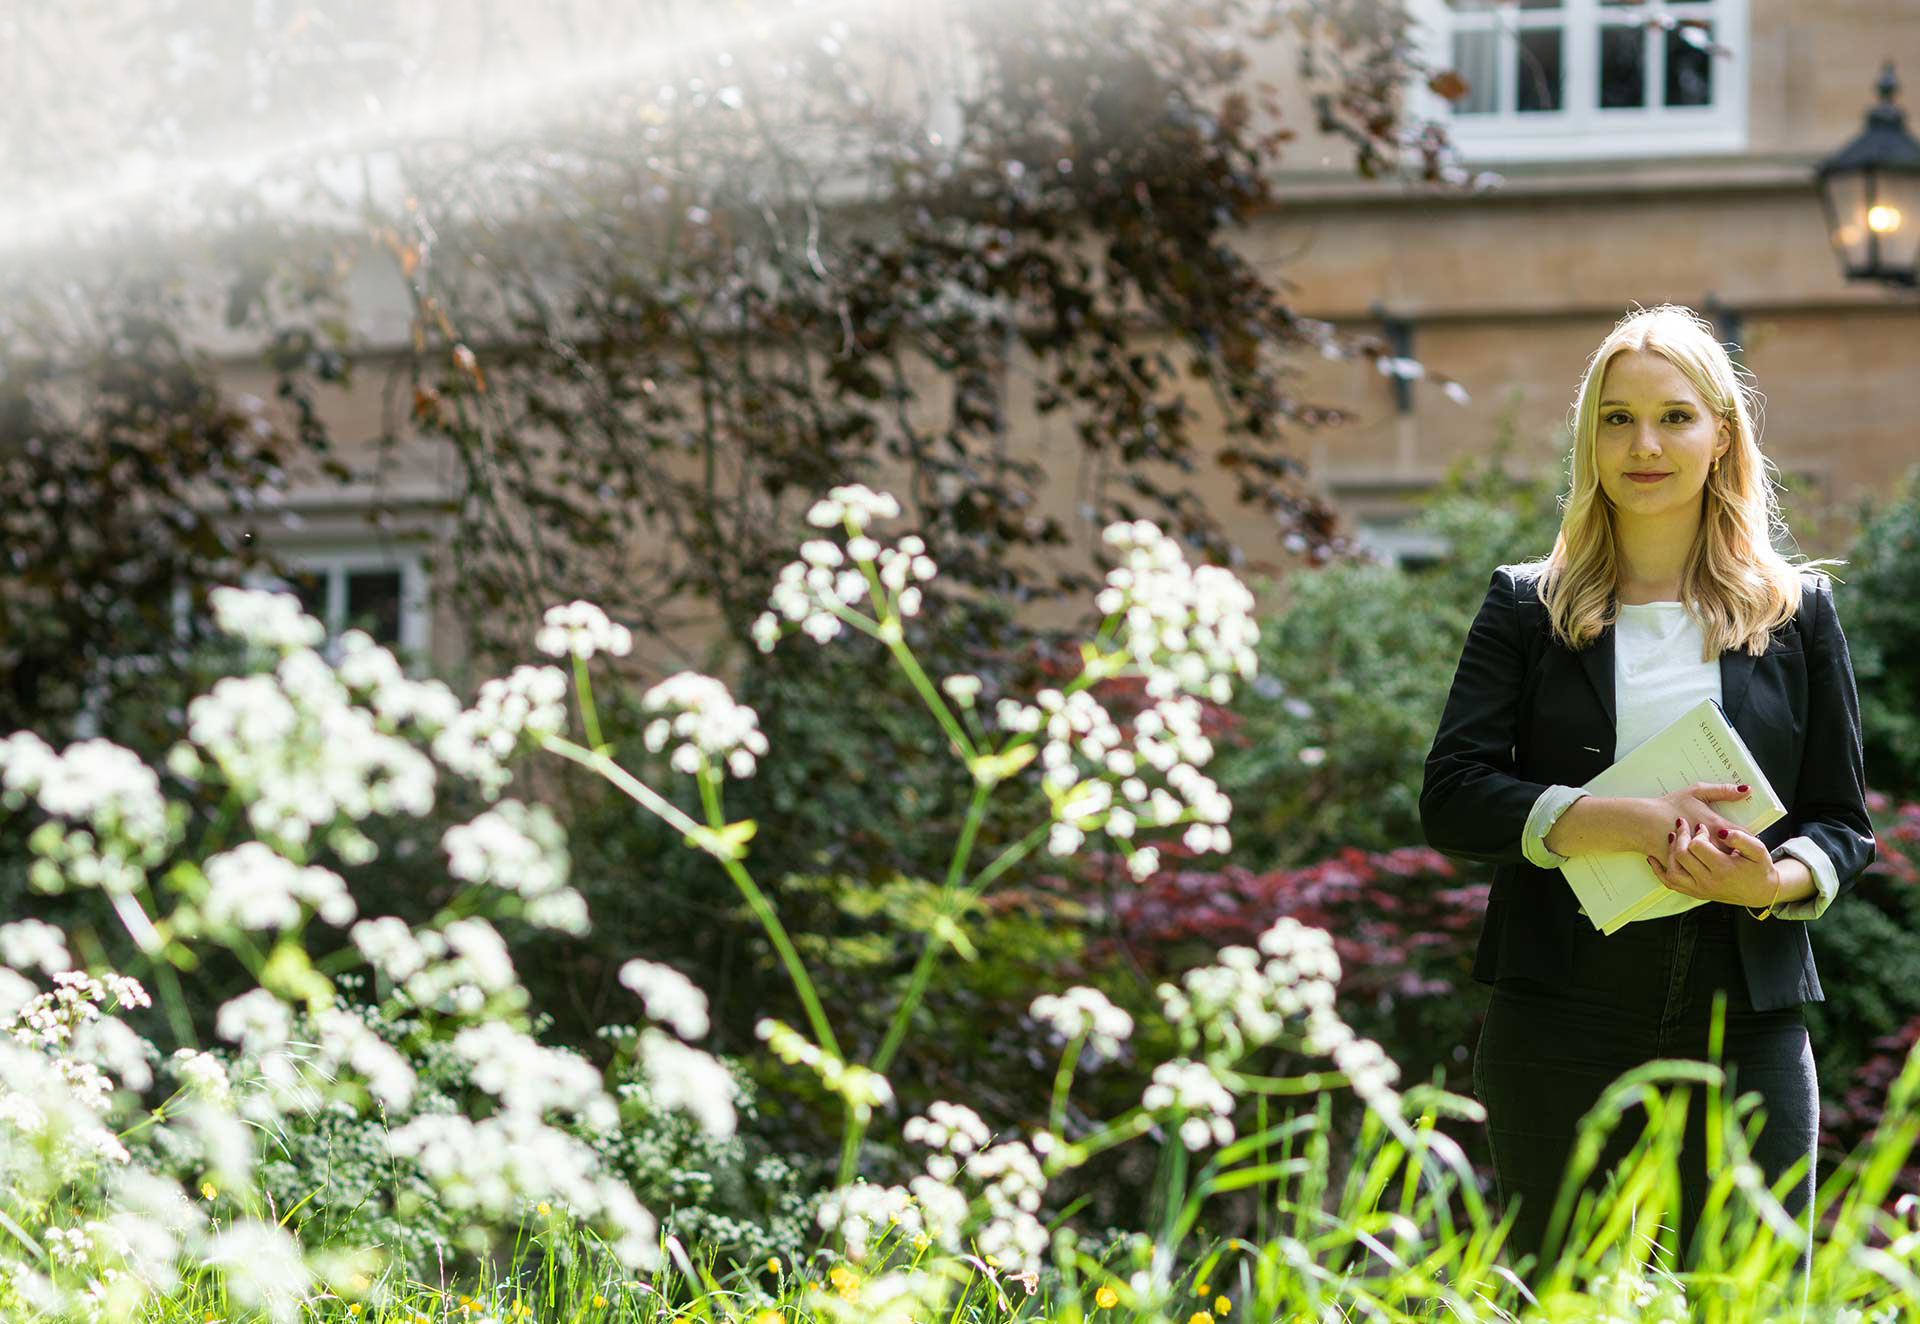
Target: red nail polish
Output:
[(1723, 832), (1669, 838), (1678, 823), (1743, 788)]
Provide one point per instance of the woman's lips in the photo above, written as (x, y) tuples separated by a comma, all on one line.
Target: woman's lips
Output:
[(1646, 478)]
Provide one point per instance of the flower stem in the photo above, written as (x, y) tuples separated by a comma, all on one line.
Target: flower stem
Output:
[(763, 911), (1062, 1082), (584, 688)]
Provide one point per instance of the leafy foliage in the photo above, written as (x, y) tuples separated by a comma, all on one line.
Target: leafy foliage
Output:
[(1878, 602), (1355, 662), (665, 271)]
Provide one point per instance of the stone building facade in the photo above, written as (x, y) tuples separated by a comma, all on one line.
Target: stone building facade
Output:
[(1618, 152)]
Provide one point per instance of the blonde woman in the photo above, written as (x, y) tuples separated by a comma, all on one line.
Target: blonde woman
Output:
[(1663, 588)]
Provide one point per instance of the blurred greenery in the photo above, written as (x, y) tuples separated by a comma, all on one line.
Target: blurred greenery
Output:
[(1879, 607), (1355, 663)]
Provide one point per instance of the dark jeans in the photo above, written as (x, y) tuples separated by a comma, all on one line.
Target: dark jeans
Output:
[(1548, 1051)]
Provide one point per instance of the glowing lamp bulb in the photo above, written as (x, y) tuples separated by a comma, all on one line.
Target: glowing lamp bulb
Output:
[(1883, 219)]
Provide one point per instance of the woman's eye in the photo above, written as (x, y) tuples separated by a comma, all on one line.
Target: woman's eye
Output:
[(1679, 415)]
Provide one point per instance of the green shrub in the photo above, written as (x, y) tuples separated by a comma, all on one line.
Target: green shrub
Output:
[(1880, 605)]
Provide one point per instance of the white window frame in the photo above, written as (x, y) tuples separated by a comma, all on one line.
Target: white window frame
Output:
[(336, 561), (1581, 130), (1395, 543)]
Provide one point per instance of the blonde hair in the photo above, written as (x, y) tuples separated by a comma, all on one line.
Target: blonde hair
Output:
[(1733, 581)]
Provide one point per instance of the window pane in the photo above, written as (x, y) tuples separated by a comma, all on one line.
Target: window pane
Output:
[(1623, 67), (373, 604), (1470, 6), (310, 586), (1540, 4), (1476, 58), (1689, 67), (1539, 75)]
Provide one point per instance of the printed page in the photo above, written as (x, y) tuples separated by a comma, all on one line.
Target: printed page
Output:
[(1699, 745)]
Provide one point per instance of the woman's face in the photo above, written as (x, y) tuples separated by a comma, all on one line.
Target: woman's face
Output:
[(1652, 422)]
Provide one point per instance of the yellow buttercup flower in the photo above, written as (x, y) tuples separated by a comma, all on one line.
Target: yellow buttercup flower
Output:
[(1200, 1288), (354, 1310), (769, 1316), (1200, 1317), (208, 1190), (543, 1208), (921, 1241), (845, 1281), (773, 1264), (1106, 1298), (1222, 1306), (599, 1302)]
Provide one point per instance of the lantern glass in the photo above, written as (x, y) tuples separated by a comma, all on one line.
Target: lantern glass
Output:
[(1846, 194), (1893, 220)]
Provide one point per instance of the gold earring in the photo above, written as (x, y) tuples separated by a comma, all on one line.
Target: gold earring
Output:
[(1716, 464)]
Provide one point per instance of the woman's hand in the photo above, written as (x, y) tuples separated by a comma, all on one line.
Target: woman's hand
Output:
[(1718, 864), (1694, 805)]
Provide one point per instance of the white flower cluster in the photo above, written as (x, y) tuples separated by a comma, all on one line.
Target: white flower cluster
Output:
[(1190, 628), (1192, 1088), (128, 825), (1013, 1184), (51, 1121), (344, 1039), (580, 629), (54, 1093), (815, 591), (1248, 998), (1085, 1011), (528, 1077), (253, 886), (707, 723), (953, 1129), (374, 675), (493, 1165), (864, 1090), (452, 969), (669, 997), (300, 753), (32, 944), (262, 1266), (854, 506), (77, 999), (528, 703), (689, 1080), (266, 620), (1087, 757), (521, 850), (857, 1212), (256, 1020)]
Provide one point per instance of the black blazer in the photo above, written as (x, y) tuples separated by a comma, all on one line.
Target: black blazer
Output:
[(1525, 712)]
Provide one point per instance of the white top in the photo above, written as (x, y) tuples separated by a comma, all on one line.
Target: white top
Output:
[(1657, 671), (1658, 675)]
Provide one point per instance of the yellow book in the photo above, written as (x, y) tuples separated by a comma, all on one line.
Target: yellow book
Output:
[(1617, 887)]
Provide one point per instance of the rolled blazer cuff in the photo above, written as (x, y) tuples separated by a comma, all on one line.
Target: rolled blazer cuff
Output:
[(1826, 879), (1547, 809)]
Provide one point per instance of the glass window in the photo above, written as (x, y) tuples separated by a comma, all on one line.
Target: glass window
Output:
[(1538, 83), (1623, 67), (1690, 66), (373, 604), (1544, 80)]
